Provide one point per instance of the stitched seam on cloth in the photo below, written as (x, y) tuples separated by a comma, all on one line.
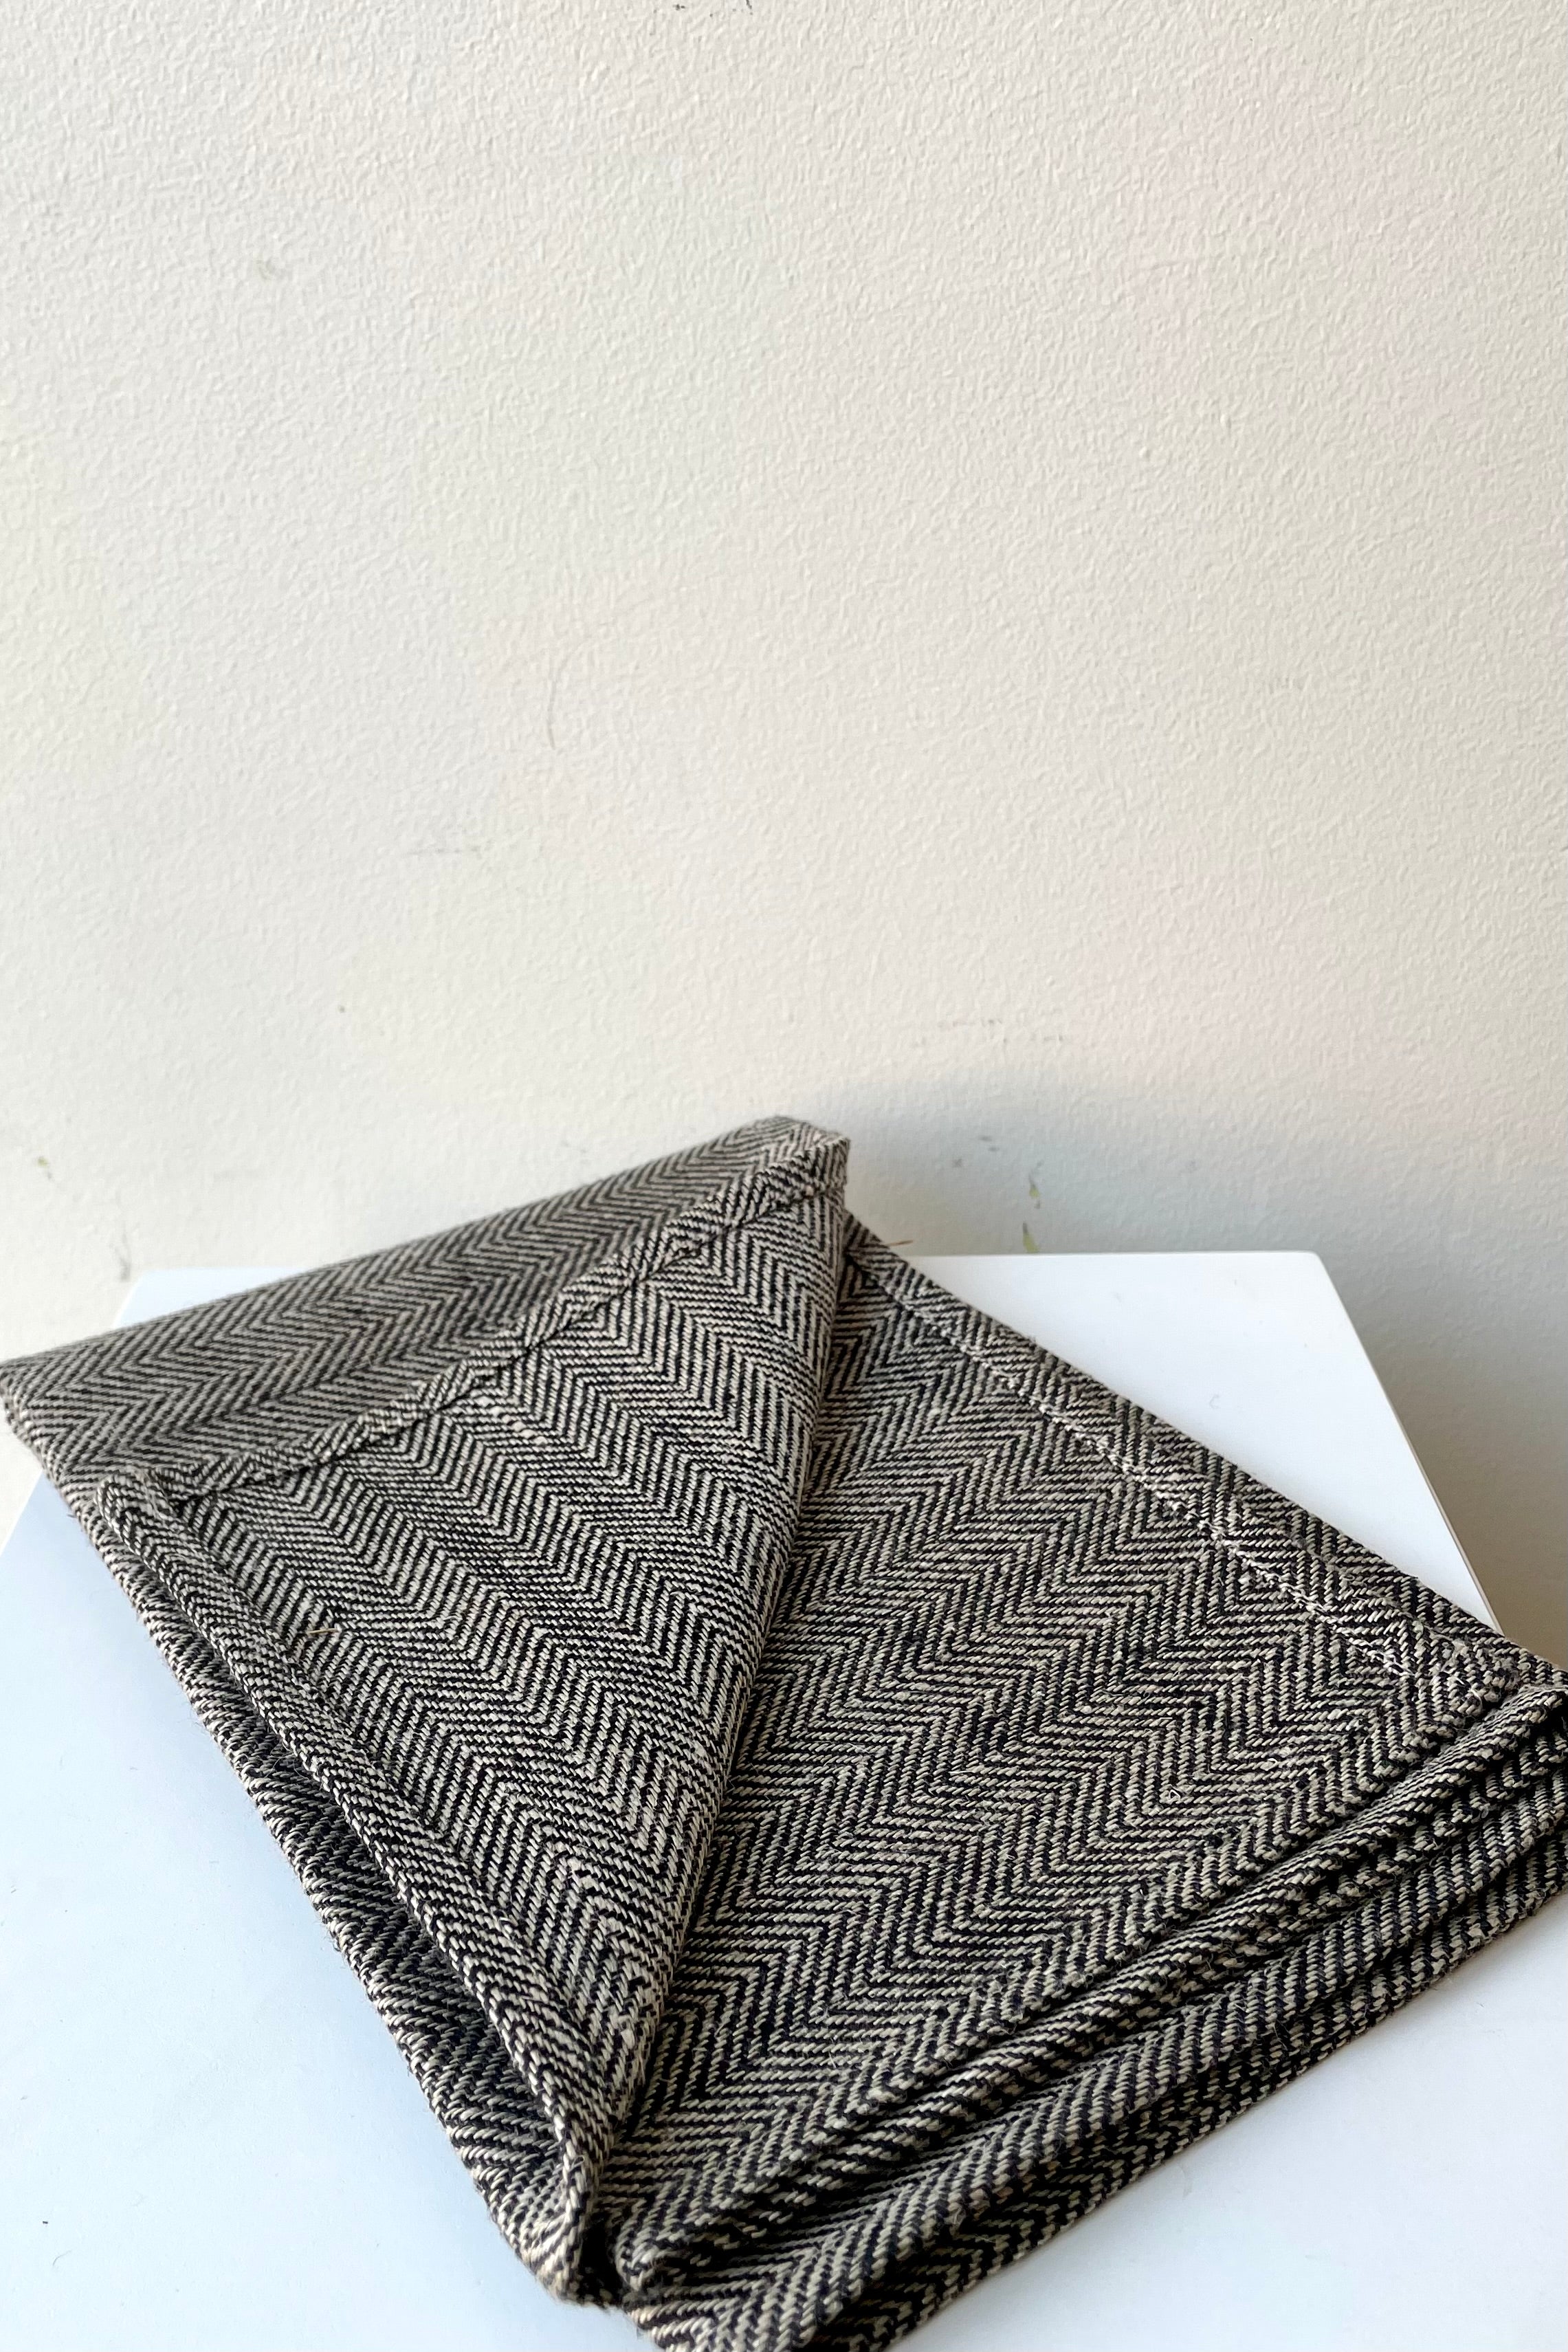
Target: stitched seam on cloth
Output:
[(1488, 1680), (767, 1192), (147, 1502), (976, 1772), (1464, 1648), (151, 1498), (794, 1140), (137, 1521), (569, 1867), (352, 1439), (526, 1989), (261, 1762), (1418, 1682)]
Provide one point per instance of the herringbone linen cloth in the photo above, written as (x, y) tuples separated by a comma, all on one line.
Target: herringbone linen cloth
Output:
[(822, 1791)]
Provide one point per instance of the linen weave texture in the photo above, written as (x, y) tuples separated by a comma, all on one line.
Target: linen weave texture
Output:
[(822, 1791)]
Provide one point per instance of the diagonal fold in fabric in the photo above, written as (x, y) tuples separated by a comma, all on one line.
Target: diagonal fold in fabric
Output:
[(822, 1791)]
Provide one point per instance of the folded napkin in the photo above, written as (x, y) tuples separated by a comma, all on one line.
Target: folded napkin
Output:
[(822, 1791)]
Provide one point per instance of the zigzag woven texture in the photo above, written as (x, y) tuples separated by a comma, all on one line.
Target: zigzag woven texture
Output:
[(822, 1791)]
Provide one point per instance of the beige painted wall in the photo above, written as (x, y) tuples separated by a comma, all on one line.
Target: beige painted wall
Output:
[(987, 575)]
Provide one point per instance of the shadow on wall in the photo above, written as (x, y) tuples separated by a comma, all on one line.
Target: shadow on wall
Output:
[(1449, 1271)]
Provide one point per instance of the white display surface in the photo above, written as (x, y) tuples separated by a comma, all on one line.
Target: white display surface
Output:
[(209, 2143)]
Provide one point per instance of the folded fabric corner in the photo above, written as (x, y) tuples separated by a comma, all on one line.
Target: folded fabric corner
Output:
[(822, 1791)]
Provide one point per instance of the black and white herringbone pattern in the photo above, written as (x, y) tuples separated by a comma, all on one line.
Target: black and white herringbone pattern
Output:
[(822, 1793)]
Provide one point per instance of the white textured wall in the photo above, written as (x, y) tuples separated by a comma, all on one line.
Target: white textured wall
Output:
[(985, 575)]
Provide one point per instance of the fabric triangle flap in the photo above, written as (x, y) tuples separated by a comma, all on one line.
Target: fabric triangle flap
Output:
[(466, 1551)]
